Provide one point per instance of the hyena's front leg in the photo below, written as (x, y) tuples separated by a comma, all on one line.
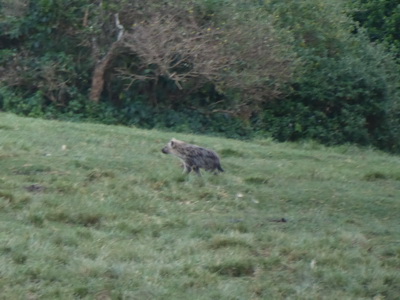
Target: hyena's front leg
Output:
[(186, 168), (196, 169)]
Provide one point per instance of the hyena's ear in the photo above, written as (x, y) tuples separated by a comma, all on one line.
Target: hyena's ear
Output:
[(172, 142)]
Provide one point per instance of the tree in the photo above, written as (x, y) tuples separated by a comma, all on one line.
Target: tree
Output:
[(347, 89), (190, 47), (381, 19)]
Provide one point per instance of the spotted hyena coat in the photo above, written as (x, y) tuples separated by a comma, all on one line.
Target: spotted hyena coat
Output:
[(194, 157)]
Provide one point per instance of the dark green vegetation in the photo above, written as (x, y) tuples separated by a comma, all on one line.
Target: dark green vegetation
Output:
[(98, 212), (381, 19), (292, 70)]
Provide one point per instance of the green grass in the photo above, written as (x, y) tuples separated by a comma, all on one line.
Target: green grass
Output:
[(98, 212)]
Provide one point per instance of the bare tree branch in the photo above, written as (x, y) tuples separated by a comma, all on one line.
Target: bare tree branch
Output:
[(102, 64), (177, 50)]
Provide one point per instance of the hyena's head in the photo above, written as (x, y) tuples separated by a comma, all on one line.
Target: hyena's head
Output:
[(172, 145)]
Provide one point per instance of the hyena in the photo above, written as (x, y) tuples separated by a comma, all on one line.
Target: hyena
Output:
[(194, 157)]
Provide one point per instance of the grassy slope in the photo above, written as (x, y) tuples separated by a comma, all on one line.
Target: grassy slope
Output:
[(108, 216)]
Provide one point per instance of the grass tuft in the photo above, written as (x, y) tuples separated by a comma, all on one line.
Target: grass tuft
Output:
[(6, 196), (221, 241), (234, 268), (19, 258), (231, 153), (31, 170), (373, 176), (97, 174), (256, 180)]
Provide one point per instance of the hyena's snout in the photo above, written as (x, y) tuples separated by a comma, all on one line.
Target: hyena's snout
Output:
[(165, 150)]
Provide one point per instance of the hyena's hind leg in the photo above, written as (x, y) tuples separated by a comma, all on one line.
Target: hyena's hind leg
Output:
[(217, 169)]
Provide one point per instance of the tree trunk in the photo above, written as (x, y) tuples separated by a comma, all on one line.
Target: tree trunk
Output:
[(100, 70), (101, 67)]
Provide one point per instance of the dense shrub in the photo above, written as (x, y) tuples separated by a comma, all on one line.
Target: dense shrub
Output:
[(381, 19), (347, 89)]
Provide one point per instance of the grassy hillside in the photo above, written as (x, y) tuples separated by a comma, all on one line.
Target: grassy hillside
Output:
[(98, 212)]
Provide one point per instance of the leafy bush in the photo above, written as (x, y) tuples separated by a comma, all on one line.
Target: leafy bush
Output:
[(381, 19), (347, 89)]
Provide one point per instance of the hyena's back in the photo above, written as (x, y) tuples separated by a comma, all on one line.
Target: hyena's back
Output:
[(203, 158)]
